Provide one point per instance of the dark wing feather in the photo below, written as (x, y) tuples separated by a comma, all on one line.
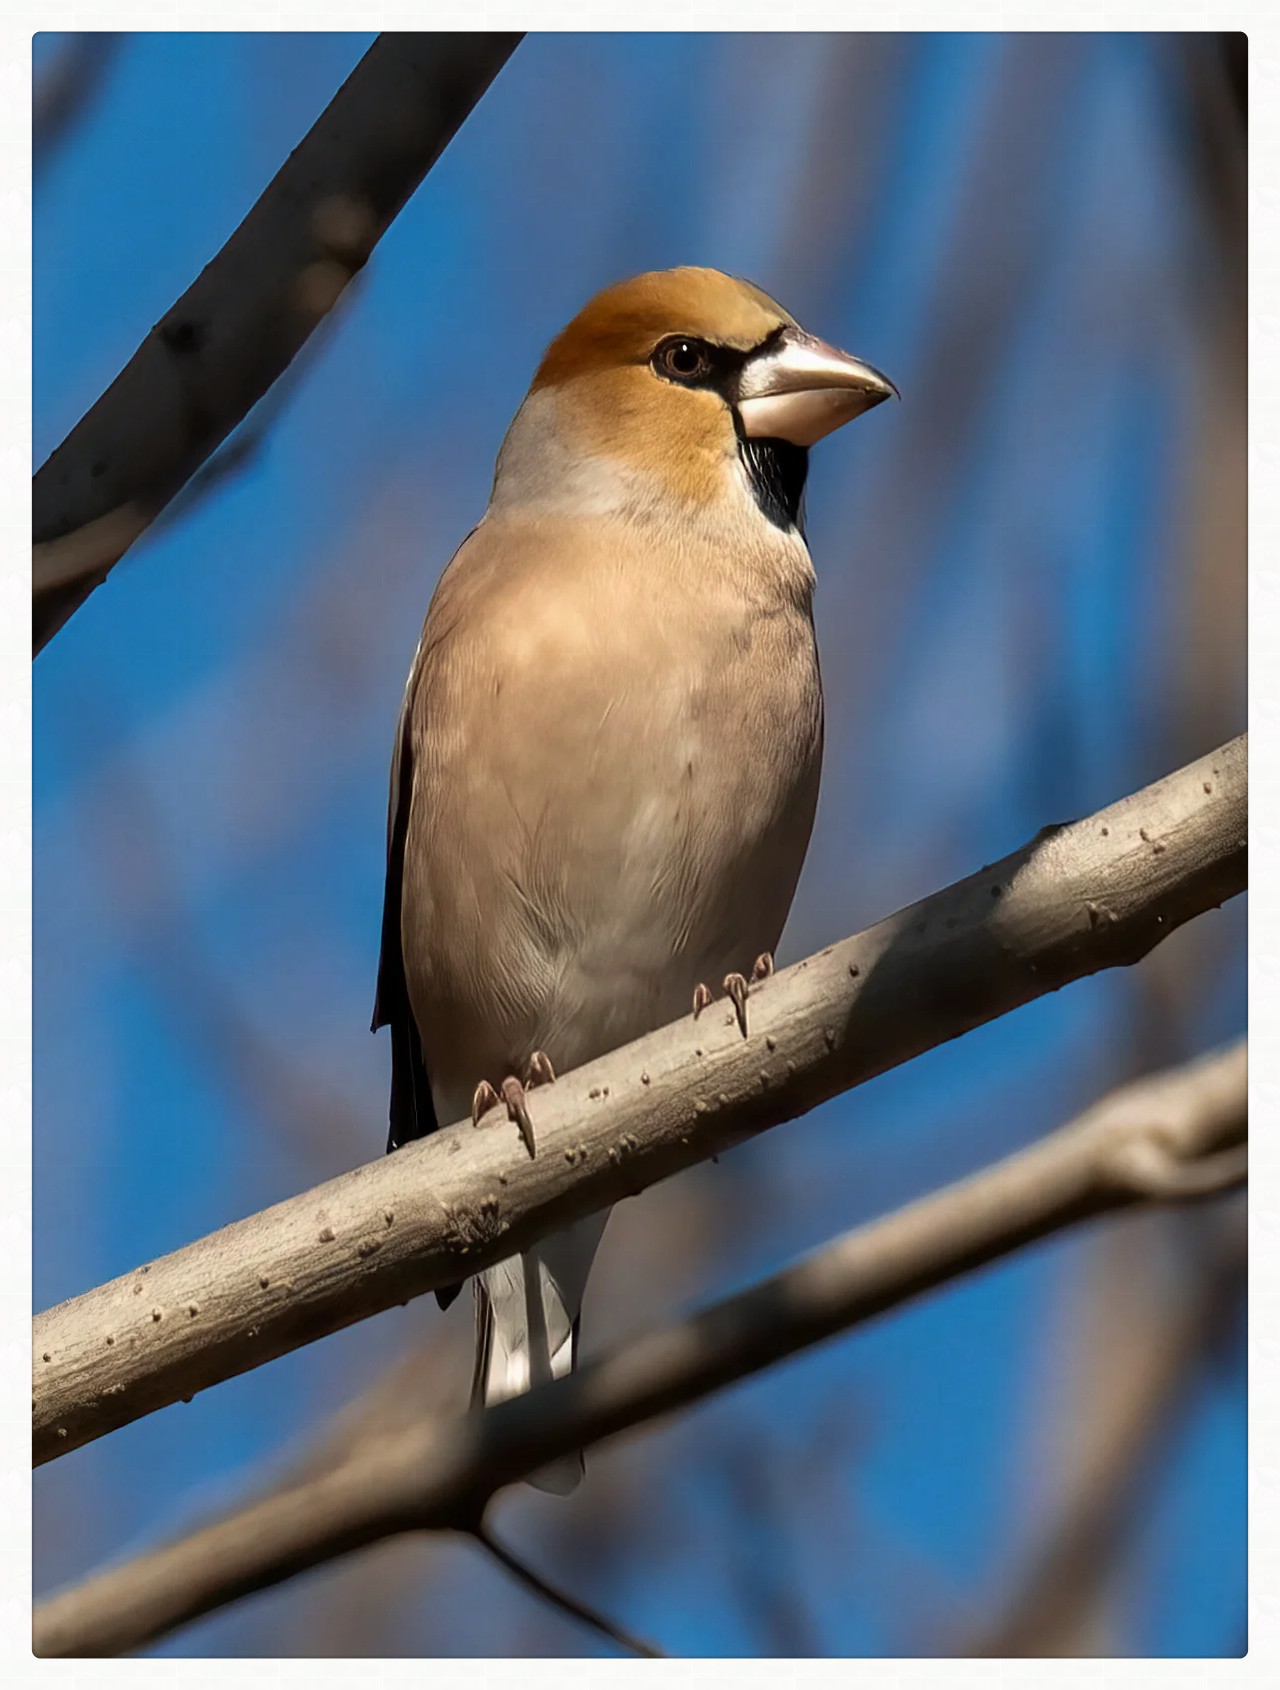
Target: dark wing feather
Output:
[(412, 1113)]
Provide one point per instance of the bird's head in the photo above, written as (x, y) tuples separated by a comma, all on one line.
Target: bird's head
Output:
[(672, 380)]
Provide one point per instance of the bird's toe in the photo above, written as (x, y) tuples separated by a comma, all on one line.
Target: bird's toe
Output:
[(518, 1110), (736, 987), (483, 1099), (539, 1071)]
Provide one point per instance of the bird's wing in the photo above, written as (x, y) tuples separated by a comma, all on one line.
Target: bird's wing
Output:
[(412, 1112)]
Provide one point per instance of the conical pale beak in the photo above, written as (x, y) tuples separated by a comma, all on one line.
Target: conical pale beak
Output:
[(801, 388)]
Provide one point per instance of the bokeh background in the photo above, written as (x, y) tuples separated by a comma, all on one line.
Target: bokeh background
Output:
[(1031, 601)]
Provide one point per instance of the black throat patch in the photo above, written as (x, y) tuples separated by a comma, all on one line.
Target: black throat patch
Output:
[(776, 470)]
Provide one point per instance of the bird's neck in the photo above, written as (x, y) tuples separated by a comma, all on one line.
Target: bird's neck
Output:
[(541, 470), (544, 469)]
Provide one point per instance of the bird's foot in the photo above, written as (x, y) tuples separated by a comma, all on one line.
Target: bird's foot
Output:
[(737, 987), (511, 1093)]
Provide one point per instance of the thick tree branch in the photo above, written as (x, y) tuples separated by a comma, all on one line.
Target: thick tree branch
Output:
[(1078, 898), (213, 356), (443, 1473)]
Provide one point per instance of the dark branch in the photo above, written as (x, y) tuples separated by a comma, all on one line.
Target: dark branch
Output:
[(239, 325)]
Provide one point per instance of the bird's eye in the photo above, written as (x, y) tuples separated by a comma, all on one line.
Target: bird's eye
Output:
[(683, 359)]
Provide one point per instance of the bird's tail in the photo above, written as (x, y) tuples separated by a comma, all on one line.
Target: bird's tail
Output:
[(527, 1316)]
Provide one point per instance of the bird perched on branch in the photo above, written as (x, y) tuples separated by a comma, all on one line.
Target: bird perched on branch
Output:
[(606, 765)]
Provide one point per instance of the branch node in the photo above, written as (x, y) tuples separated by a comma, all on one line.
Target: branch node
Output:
[(1150, 1167)]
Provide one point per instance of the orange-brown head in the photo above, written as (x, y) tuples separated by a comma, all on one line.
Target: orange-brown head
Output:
[(623, 325), (670, 374)]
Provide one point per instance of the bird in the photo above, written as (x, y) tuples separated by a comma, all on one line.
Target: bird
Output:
[(606, 765)]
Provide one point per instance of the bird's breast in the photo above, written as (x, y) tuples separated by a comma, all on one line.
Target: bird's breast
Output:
[(616, 774)]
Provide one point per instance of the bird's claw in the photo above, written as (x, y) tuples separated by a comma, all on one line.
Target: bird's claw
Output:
[(511, 1093), (483, 1100), (736, 987), (539, 1071), (518, 1110)]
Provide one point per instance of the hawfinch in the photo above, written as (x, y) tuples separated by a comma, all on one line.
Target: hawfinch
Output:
[(606, 764)]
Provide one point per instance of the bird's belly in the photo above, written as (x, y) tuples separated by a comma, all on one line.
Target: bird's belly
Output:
[(628, 854), (667, 924)]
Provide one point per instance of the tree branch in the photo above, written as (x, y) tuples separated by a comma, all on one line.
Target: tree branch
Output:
[(442, 1473), (238, 326), (1087, 896)]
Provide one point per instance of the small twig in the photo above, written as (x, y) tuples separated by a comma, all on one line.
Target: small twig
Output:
[(561, 1599)]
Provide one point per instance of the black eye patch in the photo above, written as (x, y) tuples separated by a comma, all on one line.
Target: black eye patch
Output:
[(689, 361)]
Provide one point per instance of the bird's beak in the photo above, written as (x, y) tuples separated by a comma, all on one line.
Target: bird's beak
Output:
[(799, 388)]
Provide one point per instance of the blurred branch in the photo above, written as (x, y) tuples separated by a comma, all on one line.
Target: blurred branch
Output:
[(66, 91), (1211, 83), (761, 1563), (1090, 895), (561, 1599), (233, 332), (442, 1473), (1065, 1574)]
